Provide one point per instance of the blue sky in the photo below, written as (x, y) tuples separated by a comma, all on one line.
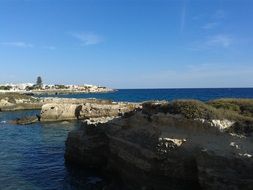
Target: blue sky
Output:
[(128, 43)]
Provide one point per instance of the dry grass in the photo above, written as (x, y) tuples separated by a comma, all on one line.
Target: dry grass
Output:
[(241, 106), (238, 110)]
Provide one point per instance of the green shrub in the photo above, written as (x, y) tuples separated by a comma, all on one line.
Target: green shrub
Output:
[(192, 109), (34, 87), (247, 110), (60, 86), (241, 106), (5, 87), (226, 106), (237, 110)]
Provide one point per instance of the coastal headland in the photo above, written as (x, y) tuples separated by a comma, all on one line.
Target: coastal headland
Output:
[(46, 89), (182, 144)]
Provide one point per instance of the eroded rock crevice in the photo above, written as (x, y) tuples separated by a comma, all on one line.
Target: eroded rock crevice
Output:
[(154, 149)]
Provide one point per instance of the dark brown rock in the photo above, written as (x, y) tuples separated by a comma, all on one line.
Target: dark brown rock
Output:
[(26, 120), (152, 149)]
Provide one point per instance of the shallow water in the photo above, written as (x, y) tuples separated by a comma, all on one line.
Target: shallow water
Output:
[(32, 157)]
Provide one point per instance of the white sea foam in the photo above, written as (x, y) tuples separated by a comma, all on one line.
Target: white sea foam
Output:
[(3, 122)]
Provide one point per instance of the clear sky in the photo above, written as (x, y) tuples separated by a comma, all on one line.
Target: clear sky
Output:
[(128, 43)]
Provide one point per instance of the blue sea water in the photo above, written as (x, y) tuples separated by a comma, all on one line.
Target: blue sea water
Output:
[(32, 157), (139, 95)]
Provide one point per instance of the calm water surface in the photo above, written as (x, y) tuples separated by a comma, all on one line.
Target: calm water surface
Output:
[(32, 157), (138, 95)]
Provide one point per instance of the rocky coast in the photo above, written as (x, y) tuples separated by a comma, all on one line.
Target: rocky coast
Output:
[(184, 144), (162, 145), (62, 109), (16, 101)]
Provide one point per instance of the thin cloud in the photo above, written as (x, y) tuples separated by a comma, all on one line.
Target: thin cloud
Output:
[(87, 38), (220, 40), (183, 16), (17, 44), (205, 75), (210, 42), (210, 25)]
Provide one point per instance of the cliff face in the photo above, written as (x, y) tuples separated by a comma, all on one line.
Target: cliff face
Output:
[(151, 149)]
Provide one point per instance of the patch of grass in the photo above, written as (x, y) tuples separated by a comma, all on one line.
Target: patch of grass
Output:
[(241, 106), (238, 110), (212, 110), (242, 113), (192, 109)]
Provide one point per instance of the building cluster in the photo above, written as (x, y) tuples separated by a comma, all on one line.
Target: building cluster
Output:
[(56, 87), (15, 87)]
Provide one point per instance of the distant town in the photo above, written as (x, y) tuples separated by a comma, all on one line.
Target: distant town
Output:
[(40, 88)]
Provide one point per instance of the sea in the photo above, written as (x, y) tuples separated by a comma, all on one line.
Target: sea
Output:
[(32, 156)]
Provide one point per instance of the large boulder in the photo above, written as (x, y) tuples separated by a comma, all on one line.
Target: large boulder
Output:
[(153, 149), (71, 111), (4, 103), (58, 112), (25, 120)]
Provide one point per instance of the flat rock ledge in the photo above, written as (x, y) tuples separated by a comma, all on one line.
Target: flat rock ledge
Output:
[(15, 101), (25, 120), (88, 108), (149, 149)]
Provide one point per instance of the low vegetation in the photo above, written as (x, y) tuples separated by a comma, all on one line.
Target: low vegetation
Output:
[(34, 87), (238, 110), (60, 86), (240, 106), (5, 87), (193, 109), (12, 97), (242, 110)]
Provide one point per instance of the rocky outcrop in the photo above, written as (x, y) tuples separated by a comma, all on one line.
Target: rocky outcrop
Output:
[(221, 124), (154, 149), (26, 120), (48, 100), (91, 108), (14, 101), (63, 109)]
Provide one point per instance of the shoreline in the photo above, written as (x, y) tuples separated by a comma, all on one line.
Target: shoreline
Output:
[(56, 92), (174, 143)]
